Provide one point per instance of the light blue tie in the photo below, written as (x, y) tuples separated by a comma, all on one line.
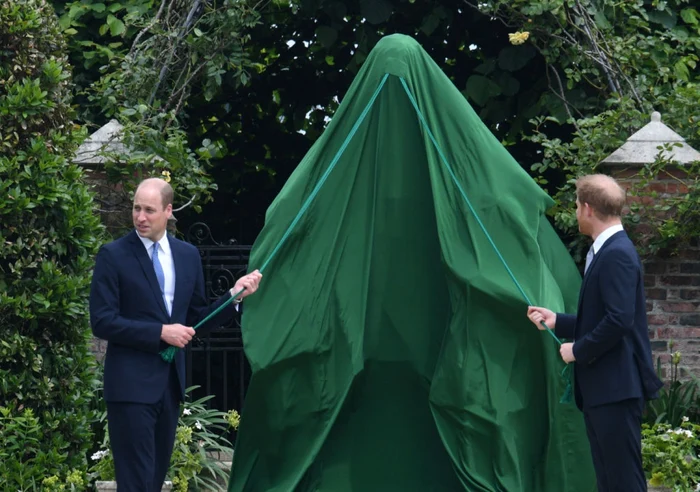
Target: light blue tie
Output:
[(589, 259), (159, 272)]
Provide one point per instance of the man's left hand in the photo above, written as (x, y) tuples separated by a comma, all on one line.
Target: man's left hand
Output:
[(250, 282), (567, 352)]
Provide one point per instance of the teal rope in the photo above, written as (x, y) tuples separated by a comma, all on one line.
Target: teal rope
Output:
[(566, 398), (169, 354)]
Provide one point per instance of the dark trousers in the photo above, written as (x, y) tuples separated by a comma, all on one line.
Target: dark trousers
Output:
[(614, 432), (142, 438)]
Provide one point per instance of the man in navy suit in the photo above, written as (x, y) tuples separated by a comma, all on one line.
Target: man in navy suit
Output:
[(613, 370), (147, 292)]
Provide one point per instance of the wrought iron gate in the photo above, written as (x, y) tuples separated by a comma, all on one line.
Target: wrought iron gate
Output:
[(215, 361)]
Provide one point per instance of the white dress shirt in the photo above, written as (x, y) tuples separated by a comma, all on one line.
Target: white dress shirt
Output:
[(165, 257)]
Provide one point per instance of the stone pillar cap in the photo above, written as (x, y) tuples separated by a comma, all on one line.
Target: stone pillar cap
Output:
[(642, 147)]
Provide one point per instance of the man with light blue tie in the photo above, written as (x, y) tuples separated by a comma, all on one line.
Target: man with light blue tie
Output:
[(147, 292), (611, 352)]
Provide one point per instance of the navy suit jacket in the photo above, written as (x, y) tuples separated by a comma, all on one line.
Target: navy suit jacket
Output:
[(127, 310), (610, 332)]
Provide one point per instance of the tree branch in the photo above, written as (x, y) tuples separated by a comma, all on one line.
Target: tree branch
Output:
[(166, 65), (186, 204), (493, 15), (587, 24), (561, 95), (148, 27)]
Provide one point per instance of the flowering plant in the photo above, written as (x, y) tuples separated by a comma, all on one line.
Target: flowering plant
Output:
[(670, 455), (200, 445)]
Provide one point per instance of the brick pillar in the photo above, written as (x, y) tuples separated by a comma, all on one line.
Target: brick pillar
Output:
[(672, 286)]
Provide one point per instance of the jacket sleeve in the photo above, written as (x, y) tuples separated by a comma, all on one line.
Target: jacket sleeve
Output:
[(105, 318), (565, 325), (618, 289), (199, 309)]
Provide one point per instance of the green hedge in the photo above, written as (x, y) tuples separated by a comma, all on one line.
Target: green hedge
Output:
[(49, 235)]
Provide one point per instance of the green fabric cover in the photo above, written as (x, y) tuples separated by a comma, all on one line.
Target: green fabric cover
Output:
[(390, 348)]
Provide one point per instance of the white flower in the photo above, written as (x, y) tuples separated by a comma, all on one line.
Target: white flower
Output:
[(685, 419), (99, 455), (681, 432), (187, 411), (697, 488), (198, 425)]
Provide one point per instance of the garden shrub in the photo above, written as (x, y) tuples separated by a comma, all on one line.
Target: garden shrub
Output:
[(49, 235)]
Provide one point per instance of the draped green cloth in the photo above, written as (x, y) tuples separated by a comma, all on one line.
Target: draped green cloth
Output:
[(389, 345)]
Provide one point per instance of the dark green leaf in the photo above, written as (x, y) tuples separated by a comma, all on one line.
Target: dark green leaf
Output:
[(665, 18), (487, 67), (508, 84), (376, 11), (514, 58), (600, 20), (64, 21), (326, 35), (680, 33), (116, 27), (336, 10), (430, 23), (691, 16), (480, 89)]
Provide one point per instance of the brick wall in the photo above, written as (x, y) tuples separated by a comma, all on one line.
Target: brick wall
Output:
[(98, 348), (673, 306), (672, 287)]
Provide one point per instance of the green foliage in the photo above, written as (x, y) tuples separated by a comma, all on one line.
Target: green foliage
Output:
[(594, 139), (670, 220), (670, 455), (673, 219), (635, 48), (151, 59), (31, 451), (563, 65), (48, 238), (311, 51), (193, 45), (575, 69), (199, 441), (97, 31), (677, 399), (611, 64), (34, 95)]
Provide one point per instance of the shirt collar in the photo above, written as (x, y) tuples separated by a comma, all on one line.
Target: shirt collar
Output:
[(604, 236), (164, 244)]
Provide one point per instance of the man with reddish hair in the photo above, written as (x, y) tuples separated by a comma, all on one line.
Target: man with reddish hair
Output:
[(611, 352)]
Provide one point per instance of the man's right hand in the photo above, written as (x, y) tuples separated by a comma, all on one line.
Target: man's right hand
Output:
[(539, 314), (176, 335)]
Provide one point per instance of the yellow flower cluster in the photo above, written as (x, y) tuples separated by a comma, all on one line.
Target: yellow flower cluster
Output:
[(234, 419), (166, 175), (518, 37), (183, 434)]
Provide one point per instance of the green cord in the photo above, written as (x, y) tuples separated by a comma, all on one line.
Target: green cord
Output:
[(169, 353), (566, 398)]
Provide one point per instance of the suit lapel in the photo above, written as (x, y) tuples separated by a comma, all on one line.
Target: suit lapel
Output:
[(147, 266)]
